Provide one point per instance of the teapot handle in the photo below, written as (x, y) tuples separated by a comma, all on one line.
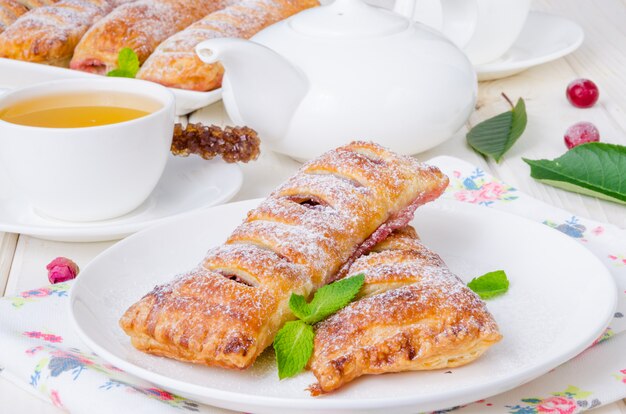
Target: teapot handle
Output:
[(460, 18)]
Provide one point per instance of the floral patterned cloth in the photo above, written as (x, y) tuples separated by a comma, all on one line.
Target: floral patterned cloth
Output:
[(41, 353)]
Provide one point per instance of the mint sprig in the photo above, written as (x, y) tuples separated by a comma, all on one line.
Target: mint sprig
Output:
[(294, 341), (327, 300), (127, 64), (596, 169), (490, 284), (495, 136), (293, 346)]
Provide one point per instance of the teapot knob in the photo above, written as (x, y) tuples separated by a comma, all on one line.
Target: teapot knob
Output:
[(344, 5)]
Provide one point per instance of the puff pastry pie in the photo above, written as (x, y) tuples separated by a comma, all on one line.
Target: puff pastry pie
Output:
[(175, 63), (10, 10), (140, 25), (412, 314), (49, 34), (228, 311)]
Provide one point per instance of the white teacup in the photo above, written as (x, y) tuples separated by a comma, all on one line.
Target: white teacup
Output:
[(484, 29), (89, 173)]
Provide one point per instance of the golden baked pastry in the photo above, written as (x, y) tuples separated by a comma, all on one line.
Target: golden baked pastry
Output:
[(10, 10), (49, 34), (141, 26), (33, 4), (412, 314), (175, 63), (228, 311)]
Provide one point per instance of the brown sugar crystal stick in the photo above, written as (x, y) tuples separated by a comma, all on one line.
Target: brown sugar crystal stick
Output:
[(174, 63), (140, 25)]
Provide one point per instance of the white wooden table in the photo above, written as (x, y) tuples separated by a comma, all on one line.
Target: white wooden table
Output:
[(602, 58)]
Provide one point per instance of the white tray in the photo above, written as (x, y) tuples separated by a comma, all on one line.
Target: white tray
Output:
[(15, 73)]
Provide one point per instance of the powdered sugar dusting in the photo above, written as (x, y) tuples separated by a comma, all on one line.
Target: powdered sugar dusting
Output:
[(174, 62), (141, 26), (413, 309), (294, 241), (49, 34)]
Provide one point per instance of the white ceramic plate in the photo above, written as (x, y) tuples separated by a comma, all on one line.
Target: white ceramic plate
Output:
[(187, 184), (561, 298), (15, 73), (545, 38)]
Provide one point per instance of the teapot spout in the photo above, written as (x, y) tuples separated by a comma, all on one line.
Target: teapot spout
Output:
[(261, 89)]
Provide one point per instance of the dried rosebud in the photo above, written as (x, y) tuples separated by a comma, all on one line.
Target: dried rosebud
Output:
[(61, 269)]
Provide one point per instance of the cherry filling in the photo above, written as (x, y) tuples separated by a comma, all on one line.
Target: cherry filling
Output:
[(235, 278), (397, 221), (311, 202)]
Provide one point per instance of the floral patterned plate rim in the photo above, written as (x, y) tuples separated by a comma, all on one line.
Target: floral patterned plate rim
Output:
[(560, 300)]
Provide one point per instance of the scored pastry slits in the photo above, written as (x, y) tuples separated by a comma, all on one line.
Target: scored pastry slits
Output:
[(228, 311), (49, 34), (140, 25), (411, 314), (175, 63)]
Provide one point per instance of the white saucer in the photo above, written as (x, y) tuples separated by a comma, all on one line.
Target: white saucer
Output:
[(187, 184), (545, 38)]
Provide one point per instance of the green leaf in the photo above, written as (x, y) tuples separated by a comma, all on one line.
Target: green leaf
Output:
[(495, 136), (595, 169), (293, 346), (127, 64), (490, 284), (327, 300), (299, 307), (120, 73)]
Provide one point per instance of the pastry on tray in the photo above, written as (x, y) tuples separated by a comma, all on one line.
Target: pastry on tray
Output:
[(175, 63), (49, 34), (140, 25), (337, 207), (412, 314), (10, 10)]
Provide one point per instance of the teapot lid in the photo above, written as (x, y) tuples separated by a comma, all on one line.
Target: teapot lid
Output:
[(348, 18)]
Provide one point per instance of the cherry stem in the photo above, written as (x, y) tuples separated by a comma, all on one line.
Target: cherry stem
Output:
[(508, 100)]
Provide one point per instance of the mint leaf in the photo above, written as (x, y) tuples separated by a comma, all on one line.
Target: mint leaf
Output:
[(120, 73), (490, 284), (299, 307), (327, 300), (596, 169), (294, 342), (495, 136), (127, 64), (293, 346)]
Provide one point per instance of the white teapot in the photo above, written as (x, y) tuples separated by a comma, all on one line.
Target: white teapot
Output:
[(347, 71)]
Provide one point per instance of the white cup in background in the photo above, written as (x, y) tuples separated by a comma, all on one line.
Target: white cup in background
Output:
[(483, 29), (88, 173)]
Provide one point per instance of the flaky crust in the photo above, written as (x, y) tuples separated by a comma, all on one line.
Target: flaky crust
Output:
[(228, 311), (141, 26), (32, 4), (175, 63), (413, 314), (49, 34), (10, 10)]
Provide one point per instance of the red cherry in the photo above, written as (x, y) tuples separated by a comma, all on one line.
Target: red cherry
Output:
[(581, 133), (582, 93)]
